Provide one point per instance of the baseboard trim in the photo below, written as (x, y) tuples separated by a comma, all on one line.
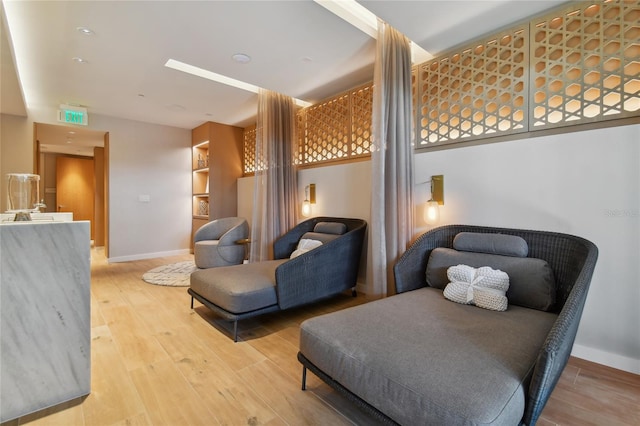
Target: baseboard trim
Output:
[(148, 256), (609, 359)]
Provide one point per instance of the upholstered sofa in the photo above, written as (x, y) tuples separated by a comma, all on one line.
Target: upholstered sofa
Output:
[(298, 275), (419, 358)]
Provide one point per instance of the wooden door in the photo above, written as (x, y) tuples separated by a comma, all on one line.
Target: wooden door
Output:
[(75, 188)]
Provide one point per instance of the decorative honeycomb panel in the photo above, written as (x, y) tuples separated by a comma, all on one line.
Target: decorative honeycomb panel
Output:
[(300, 137), (249, 150), (326, 130), (475, 92), (585, 64), (361, 125)]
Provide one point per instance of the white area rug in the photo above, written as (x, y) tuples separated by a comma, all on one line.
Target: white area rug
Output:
[(174, 274)]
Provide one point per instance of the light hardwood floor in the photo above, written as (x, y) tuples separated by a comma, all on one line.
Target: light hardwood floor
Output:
[(157, 362)]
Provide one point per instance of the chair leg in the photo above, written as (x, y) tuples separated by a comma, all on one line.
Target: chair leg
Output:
[(191, 302), (304, 378), (235, 331), (353, 292)]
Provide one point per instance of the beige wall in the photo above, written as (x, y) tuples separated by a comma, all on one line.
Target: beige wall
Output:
[(145, 159), (16, 150)]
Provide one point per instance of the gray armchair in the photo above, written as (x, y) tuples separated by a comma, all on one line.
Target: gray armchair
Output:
[(215, 243)]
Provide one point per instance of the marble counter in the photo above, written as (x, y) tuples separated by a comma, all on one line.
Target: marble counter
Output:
[(45, 327), (46, 217)]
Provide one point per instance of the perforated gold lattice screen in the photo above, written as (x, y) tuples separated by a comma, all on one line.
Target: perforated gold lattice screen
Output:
[(249, 150), (336, 129), (586, 64), (326, 130), (474, 92), (361, 113)]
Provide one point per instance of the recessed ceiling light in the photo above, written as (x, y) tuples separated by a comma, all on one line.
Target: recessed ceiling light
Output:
[(80, 60), (85, 30), (241, 58)]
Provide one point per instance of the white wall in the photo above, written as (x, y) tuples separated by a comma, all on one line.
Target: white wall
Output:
[(342, 190), (153, 160), (584, 183)]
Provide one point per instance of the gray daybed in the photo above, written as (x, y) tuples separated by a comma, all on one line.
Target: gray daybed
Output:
[(243, 291), (419, 358)]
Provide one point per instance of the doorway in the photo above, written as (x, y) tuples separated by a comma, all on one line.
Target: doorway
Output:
[(61, 153)]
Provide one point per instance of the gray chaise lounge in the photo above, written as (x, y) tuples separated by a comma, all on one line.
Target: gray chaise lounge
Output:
[(418, 358), (244, 291)]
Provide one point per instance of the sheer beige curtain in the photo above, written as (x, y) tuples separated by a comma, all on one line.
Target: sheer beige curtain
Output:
[(392, 157), (275, 188)]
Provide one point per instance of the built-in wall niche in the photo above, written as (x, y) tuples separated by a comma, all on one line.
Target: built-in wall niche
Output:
[(200, 180), (216, 165)]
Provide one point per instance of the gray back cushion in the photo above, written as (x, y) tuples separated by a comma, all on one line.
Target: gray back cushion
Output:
[(336, 228), (326, 231), (531, 281), (507, 245)]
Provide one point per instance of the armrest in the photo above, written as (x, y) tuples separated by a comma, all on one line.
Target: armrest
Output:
[(208, 231), (321, 272), (556, 350), (234, 234), (410, 270), (287, 243)]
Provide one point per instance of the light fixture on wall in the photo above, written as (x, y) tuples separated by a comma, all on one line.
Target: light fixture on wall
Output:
[(309, 198), (431, 212)]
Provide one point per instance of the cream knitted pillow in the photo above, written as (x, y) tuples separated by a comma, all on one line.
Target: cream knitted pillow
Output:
[(484, 287)]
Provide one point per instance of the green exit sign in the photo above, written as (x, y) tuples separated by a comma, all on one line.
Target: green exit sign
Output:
[(73, 115)]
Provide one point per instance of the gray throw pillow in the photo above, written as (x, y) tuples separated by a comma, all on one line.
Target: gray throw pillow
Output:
[(531, 281)]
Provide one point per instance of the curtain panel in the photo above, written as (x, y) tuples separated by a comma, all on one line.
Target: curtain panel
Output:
[(392, 157), (276, 184)]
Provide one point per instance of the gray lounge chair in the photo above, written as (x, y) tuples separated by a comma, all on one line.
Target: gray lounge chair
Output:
[(244, 291)]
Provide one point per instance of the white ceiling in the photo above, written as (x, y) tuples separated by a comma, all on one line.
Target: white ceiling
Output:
[(298, 48)]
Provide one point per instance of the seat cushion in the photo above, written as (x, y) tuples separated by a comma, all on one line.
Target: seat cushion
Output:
[(421, 359), (210, 254), (240, 288)]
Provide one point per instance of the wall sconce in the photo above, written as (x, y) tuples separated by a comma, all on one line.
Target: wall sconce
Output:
[(431, 212), (309, 198)]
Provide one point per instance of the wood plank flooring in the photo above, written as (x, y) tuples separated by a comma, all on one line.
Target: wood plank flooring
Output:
[(157, 362)]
